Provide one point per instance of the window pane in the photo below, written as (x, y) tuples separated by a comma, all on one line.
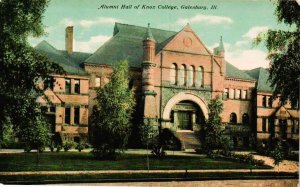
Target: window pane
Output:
[(264, 101), (173, 72), (68, 85), (181, 78), (76, 86), (199, 77), (48, 83), (233, 118), (97, 82), (67, 115), (231, 93), (226, 93), (237, 94), (190, 76), (76, 115), (244, 94), (264, 124)]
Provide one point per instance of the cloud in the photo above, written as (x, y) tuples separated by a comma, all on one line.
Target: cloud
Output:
[(91, 45), (255, 31), (208, 19), (87, 23), (241, 56), (247, 59)]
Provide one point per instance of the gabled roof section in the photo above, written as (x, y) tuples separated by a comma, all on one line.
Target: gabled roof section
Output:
[(282, 112), (262, 76), (234, 72), (127, 43), (188, 41), (69, 62)]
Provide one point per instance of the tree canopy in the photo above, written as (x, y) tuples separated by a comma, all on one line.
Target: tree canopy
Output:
[(283, 51), (21, 67), (111, 119)]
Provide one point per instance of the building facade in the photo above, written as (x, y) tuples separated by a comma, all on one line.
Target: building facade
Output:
[(175, 77)]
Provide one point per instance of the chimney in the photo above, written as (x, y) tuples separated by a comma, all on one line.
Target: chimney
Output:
[(69, 39)]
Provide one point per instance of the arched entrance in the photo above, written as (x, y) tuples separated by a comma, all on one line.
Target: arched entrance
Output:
[(185, 111), (185, 115)]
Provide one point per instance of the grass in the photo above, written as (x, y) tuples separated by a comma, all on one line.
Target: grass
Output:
[(73, 161)]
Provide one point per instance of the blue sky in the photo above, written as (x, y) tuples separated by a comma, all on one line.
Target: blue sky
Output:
[(238, 21)]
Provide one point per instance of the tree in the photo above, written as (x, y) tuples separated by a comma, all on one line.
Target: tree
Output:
[(283, 47), (35, 134), (214, 137), (20, 65), (277, 152), (111, 119)]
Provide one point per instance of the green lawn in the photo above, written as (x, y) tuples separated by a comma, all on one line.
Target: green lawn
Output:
[(72, 161)]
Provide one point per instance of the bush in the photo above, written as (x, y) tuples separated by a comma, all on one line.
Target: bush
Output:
[(104, 151), (80, 146), (67, 145), (169, 140), (249, 159)]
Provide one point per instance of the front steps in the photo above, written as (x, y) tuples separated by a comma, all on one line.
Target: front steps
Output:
[(188, 139)]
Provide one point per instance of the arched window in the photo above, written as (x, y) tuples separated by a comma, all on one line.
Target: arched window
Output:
[(182, 75), (173, 74), (245, 119), (199, 77), (190, 76), (233, 118)]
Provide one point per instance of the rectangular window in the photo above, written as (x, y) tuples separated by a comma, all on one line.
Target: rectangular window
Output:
[(244, 94), (77, 86), (48, 83), (226, 93), (264, 101), (237, 94), (76, 115), (67, 115), (264, 124), (68, 85), (52, 109), (97, 82), (231, 93), (270, 101)]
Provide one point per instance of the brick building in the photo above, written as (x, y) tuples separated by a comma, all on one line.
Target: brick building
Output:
[(175, 77)]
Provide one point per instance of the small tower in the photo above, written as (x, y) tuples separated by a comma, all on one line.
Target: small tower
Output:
[(148, 64), (220, 51), (221, 48), (150, 109), (219, 70)]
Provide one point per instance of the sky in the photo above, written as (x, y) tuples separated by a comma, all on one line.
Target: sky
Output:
[(237, 21)]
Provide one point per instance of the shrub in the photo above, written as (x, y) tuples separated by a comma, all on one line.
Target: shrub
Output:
[(67, 145), (80, 146), (249, 159)]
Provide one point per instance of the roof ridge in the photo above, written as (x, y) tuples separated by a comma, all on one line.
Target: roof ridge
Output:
[(74, 51), (44, 41), (146, 27)]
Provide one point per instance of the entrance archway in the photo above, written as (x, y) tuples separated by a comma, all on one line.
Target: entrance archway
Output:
[(185, 97), (184, 111)]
